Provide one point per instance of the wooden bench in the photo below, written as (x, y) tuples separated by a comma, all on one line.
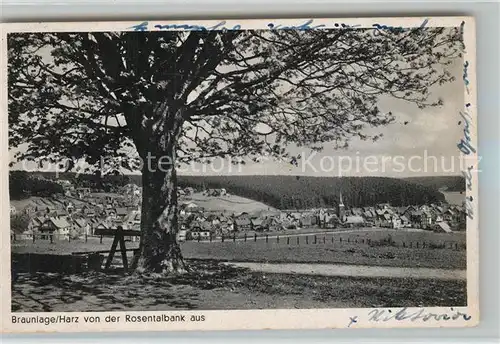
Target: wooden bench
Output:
[(119, 235)]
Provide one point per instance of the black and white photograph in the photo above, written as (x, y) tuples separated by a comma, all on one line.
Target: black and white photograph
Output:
[(307, 164)]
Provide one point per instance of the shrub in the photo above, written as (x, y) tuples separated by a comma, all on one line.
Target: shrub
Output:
[(386, 241), (437, 245)]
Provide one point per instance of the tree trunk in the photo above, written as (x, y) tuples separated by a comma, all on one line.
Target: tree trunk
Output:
[(159, 250)]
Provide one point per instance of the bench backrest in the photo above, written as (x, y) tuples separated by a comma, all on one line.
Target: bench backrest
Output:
[(113, 231)]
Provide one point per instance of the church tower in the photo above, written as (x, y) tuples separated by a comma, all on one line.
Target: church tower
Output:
[(341, 209)]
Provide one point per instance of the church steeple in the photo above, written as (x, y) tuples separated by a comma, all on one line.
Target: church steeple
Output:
[(341, 208)]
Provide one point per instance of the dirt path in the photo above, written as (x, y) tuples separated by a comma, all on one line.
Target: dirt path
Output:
[(354, 270)]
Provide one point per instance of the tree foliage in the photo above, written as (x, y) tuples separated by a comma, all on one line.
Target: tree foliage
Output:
[(19, 222), (238, 93), (23, 185)]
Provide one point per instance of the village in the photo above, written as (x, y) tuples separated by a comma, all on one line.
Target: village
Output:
[(82, 212)]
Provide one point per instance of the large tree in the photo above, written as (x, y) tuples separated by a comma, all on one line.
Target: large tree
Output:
[(177, 96)]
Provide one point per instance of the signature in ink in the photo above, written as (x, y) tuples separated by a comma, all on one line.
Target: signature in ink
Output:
[(304, 26), (465, 144), (186, 27), (353, 320), (468, 177), (140, 27), (466, 76), (221, 26), (397, 28), (144, 26), (382, 315)]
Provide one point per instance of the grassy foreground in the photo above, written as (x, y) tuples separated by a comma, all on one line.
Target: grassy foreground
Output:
[(215, 286), (405, 249), (340, 253)]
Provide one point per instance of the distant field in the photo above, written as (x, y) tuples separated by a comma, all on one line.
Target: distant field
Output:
[(42, 202), (229, 204), (454, 197)]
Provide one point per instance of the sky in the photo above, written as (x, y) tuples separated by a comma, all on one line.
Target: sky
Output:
[(429, 133), (418, 143)]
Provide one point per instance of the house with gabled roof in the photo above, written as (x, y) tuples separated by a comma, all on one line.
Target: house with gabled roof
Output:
[(58, 226), (36, 222), (442, 227), (449, 215), (121, 212), (243, 223), (368, 215), (354, 221), (405, 222), (81, 226), (259, 224)]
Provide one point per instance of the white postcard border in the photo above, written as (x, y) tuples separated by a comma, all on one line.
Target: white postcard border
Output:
[(257, 319)]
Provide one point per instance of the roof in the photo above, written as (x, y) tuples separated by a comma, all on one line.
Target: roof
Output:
[(404, 218), (38, 220), (104, 224), (59, 222), (357, 211), (244, 221), (121, 211), (444, 226), (134, 215), (401, 210), (206, 226), (354, 219), (80, 222), (258, 222), (387, 216)]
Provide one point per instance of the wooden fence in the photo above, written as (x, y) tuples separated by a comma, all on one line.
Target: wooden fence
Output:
[(331, 239), (276, 239)]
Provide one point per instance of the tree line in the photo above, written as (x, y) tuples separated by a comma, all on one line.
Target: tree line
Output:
[(292, 192)]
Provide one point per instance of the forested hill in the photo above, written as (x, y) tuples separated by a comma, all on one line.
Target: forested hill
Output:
[(285, 192), (288, 192), (447, 183)]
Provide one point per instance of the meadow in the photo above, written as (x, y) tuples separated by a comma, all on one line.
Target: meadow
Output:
[(368, 247)]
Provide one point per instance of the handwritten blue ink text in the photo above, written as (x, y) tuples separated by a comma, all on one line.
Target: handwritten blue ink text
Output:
[(377, 315), (466, 76), (304, 26), (397, 28), (465, 144), (353, 320), (468, 177)]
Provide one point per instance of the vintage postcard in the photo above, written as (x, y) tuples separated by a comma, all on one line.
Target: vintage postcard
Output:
[(239, 174)]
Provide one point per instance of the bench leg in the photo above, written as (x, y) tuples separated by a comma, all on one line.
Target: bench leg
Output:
[(124, 253), (112, 252)]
